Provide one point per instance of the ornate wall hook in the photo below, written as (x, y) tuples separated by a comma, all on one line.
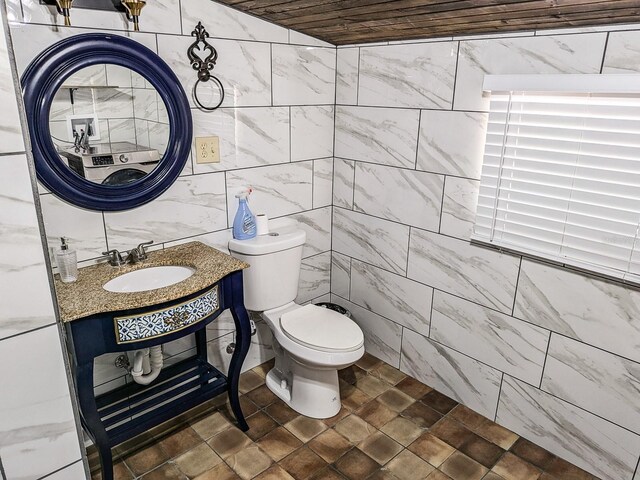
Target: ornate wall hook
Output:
[(203, 64)]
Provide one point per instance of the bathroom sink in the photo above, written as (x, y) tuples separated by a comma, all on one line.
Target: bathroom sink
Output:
[(149, 279)]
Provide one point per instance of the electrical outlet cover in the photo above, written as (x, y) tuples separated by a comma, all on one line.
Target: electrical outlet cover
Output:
[(207, 150)]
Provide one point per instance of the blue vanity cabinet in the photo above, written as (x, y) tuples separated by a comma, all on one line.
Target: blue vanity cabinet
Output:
[(121, 414)]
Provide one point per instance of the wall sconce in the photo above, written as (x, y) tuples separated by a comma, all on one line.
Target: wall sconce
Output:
[(64, 6), (134, 7)]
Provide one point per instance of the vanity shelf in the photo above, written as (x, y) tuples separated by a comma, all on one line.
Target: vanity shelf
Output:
[(133, 409)]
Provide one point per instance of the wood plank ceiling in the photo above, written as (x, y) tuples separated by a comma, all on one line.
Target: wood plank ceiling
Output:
[(343, 22)]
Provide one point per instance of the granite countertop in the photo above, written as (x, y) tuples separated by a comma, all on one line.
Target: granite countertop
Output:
[(86, 296)]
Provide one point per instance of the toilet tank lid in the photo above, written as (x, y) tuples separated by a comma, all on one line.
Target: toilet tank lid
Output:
[(278, 239)]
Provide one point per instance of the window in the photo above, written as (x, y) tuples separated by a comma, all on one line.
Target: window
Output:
[(561, 171)]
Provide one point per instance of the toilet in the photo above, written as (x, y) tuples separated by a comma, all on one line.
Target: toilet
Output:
[(311, 343)]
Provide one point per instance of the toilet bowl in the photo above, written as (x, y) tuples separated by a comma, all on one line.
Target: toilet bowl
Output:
[(311, 343)]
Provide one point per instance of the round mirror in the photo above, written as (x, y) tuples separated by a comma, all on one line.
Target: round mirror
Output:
[(110, 124)]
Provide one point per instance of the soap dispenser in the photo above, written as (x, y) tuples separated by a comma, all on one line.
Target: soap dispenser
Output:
[(244, 223), (67, 262)]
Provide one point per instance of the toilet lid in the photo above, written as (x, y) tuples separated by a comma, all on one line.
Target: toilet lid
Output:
[(322, 329)]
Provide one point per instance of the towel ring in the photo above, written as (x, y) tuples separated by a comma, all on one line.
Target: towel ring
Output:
[(204, 66)]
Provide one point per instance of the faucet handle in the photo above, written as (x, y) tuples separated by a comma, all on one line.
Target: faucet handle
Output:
[(115, 257), (142, 254)]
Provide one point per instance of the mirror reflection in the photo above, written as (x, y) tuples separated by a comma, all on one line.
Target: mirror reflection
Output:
[(109, 125)]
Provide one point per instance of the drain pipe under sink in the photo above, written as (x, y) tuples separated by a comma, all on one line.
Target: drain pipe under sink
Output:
[(147, 364)]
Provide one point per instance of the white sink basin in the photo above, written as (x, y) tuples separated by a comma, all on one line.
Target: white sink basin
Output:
[(149, 279)]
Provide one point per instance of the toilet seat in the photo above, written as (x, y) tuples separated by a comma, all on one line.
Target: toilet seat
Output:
[(321, 329)]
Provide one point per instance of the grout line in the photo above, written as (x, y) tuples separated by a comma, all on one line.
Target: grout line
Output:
[(455, 77), (604, 51), (444, 188), (546, 355), (499, 394), (415, 165), (515, 292), (433, 296), (48, 475)]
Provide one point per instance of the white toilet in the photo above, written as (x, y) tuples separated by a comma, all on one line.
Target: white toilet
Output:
[(311, 343)]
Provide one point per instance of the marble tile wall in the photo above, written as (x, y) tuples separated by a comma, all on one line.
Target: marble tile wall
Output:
[(550, 353), (38, 431), (276, 130)]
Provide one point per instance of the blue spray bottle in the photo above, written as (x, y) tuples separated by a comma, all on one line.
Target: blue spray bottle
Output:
[(244, 223)]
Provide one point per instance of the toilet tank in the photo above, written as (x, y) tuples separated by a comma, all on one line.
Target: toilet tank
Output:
[(272, 279)]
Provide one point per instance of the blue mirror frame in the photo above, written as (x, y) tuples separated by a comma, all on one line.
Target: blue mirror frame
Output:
[(40, 83)]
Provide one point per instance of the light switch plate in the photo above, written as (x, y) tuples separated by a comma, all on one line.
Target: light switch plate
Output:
[(207, 150)]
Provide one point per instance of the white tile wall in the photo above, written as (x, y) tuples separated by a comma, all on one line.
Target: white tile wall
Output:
[(493, 316), (270, 117)]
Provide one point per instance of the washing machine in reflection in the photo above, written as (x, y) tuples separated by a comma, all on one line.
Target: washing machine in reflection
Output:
[(112, 163)]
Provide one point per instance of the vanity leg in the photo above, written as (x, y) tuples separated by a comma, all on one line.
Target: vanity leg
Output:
[(87, 400), (243, 340)]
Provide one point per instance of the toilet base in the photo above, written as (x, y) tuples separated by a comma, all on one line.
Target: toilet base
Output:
[(313, 392)]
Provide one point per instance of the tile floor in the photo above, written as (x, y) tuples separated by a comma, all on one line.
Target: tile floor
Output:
[(391, 427)]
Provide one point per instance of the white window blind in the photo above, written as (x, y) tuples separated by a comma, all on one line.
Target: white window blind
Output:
[(561, 172)]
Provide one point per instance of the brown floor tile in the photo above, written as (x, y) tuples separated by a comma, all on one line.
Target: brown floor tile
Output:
[(219, 472), (229, 441), (460, 467), (466, 416), (564, 470), (247, 406), (408, 466), (351, 374), (402, 430), (354, 429), (439, 402), (179, 441), (380, 447), (352, 397), (330, 422), (395, 400), (376, 413), (383, 474), (492, 476), (306, 428), (330, 445), (146, 459), (482, 451), (303, 463), (279, 443), (274, 472), (250, 380), (414, 388), (210, 425), (197, 460), (372, 386), (259, 425), (368, 362), (135, 444), (281, 412), (421, 415), (452, 432), (120, 472), (249, 462), (532, 453), (165, 472), (431, 449), (356, 465), (511, 467), (264, 368), (496, 434), (389, 374), (261, 396), (327, 474), (438, 475)]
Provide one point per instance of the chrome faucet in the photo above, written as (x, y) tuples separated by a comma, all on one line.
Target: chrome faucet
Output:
[(135, 255)]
